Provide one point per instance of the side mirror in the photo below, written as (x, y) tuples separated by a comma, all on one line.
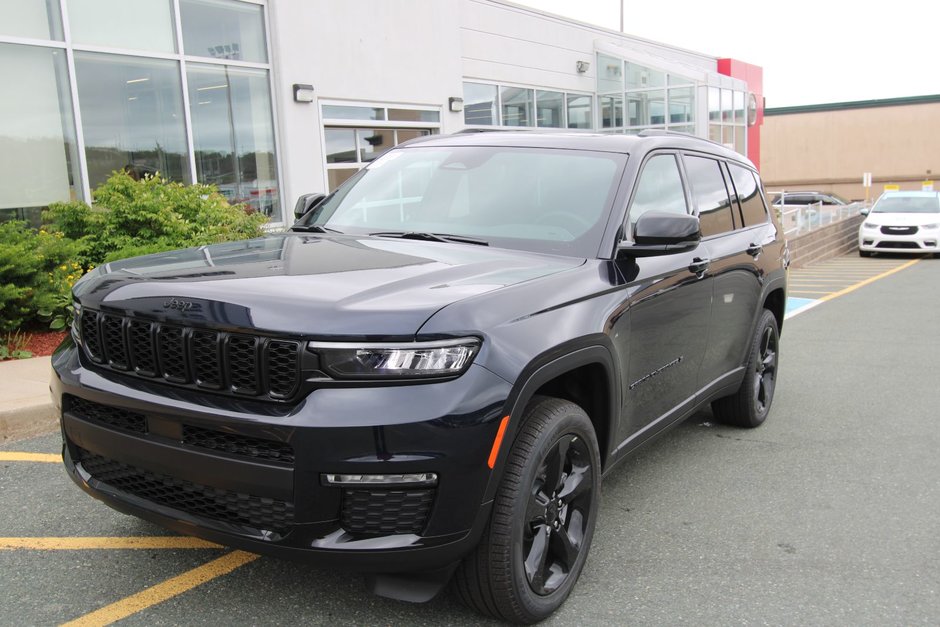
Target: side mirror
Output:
[(660, 233), (306, 202), (865, 211)]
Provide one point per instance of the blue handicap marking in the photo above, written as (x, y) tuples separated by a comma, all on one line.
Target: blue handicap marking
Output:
[(794, 304)]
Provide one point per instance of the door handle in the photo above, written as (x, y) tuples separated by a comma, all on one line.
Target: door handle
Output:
[(754, 250), (699, 266)]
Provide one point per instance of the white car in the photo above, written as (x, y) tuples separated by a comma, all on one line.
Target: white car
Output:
[(901, 222)]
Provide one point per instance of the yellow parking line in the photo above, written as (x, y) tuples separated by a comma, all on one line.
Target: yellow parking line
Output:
[(79, 544), (164, 591), (53, 458), (852, 288)]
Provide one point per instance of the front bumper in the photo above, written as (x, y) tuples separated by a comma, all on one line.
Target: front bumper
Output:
[(874, 240), (251, 475)]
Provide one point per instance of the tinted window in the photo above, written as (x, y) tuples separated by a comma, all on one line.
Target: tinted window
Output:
[(659, 189), (752, 203), (710, 195)]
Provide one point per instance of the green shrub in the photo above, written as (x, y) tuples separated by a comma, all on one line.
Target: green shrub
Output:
[(132, 217), (35, 267)]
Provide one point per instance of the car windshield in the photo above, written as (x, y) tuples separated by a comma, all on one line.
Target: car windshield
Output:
[(542, 200), (908, 204)]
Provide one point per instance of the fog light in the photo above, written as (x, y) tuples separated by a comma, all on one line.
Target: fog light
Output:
[(410, 479)]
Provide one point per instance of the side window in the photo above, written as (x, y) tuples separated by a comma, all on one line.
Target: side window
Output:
[(749, 196), (659, 189), (709, 194)]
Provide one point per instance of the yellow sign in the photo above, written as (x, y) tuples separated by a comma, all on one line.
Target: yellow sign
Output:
[(892, 188), (927, 186)]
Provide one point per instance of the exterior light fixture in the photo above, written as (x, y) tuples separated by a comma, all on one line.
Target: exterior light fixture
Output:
[(455, 104), (582, 66), (751, 109), (303, 93)]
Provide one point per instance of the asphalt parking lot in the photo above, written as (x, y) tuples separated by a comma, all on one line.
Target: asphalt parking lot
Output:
[(826, 515)]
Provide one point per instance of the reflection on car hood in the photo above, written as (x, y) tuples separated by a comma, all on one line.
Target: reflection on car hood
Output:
[(904, 219), (314, 285)]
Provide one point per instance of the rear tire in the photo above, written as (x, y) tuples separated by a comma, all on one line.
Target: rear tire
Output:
[(540, 531), (749, 406)]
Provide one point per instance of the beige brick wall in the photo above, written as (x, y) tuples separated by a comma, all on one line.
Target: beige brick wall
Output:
[(830, 150)]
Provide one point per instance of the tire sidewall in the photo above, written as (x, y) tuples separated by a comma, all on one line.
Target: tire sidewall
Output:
[(767, 320), (573, 422)]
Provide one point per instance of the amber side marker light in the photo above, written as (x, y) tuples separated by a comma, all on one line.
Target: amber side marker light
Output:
[(497, 441)]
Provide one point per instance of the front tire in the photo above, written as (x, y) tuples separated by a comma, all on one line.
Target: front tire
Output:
[(540, 531), (749, 406)]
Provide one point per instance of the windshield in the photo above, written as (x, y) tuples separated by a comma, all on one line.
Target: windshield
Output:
[(928, 203), (543, 200)]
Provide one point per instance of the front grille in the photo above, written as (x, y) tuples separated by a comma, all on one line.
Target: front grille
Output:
[(241, 445), (192, 498), (386, 511), (231, 363), (904, 245), (113, 417), (899, 230)]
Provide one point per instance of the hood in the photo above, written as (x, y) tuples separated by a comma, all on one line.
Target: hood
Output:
[(902, 219), (311, 285)]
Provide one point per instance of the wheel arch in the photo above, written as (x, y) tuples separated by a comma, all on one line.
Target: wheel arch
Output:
[(776, 302), (585, 376)]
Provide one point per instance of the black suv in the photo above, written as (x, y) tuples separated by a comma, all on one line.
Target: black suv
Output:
[(433, 369)]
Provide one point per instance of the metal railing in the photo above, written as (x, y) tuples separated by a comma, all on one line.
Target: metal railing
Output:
[(797, 219)]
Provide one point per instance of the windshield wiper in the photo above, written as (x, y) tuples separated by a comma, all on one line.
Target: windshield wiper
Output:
[(314, 228), (431, 237)]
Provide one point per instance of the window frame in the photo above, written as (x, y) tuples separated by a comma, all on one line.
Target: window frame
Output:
[(625, 227), (736, 222)]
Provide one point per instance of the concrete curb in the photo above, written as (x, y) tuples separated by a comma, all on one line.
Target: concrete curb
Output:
[(26, 408)]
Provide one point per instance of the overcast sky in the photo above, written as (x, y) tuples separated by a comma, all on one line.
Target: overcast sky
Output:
[(812, 51)]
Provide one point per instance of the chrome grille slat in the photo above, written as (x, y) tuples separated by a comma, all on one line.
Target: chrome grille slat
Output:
[(229, 363)]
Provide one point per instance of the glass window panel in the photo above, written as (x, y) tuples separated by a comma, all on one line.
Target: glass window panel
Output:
[(714, 132), (340, 145), (132, 116), (709, 194), (373, 142), (674, 79), (38, 19), (739, 114), (714, 104), (640, 77), (479, 104), (233, 134), (516, 106), (343, 112), (688, 128), (727, 136), (646, 108), (740, 140), (611, 111), (681, 105), (749, 195), (609, 74), (337, 177), (140, 25), (727, 106), (550, 109), (406, 134), (579, 112), (414, 115), (38, 154), (223, 29), (659, 189)]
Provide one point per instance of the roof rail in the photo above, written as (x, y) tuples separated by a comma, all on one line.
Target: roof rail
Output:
[(658, 132)]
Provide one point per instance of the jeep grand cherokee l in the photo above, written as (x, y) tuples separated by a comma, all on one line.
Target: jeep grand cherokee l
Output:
[(429, 374)]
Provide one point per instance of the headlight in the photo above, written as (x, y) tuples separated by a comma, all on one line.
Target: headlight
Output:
[(870, 225), (446, 358)]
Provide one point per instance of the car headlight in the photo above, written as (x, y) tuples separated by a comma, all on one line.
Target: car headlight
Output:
[(444, 358), (870, 225)]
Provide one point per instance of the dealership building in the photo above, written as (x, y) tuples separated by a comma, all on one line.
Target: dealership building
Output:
[(271, 99)]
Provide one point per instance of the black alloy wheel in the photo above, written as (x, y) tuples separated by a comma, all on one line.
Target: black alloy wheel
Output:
[(750, 404), (536, 543), (559, 503)]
